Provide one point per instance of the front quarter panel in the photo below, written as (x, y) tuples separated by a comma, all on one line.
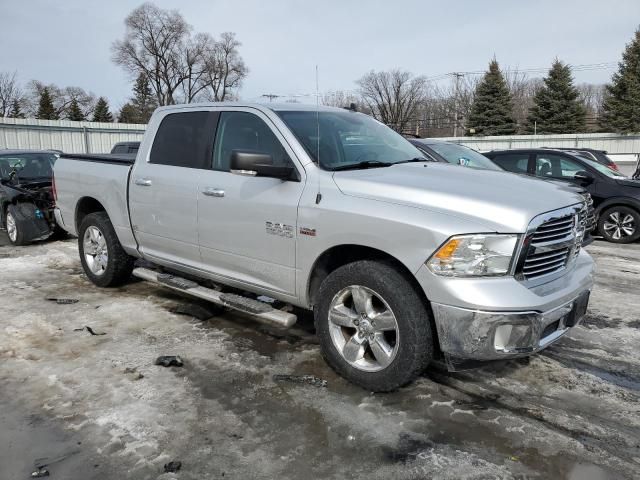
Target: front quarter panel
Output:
[(408, 234)]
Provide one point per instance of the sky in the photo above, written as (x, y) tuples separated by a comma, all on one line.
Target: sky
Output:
[(68, 42)]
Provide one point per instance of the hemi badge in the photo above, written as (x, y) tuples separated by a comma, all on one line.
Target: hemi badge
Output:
[(308, 231)]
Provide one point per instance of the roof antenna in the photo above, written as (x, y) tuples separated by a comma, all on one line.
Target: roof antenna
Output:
[(319, 195), (318, 114)]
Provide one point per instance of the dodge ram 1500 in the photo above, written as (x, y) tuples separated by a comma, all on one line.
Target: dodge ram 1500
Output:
[(401, 261)]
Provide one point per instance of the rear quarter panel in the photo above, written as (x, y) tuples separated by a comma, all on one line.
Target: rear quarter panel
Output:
[(104, 182)]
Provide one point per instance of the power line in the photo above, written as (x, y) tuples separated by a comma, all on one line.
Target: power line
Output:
[(585, 67)]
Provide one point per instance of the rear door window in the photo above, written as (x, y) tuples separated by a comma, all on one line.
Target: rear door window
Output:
[(185, 139), (557, 166), (513, 162)]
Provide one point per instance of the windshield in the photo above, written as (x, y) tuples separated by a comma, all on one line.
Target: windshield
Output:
[(27, 167), (609, 172), (461, 155), (337, 140)]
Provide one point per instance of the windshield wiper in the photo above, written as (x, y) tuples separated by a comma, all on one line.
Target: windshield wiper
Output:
[(362, 165), (414, 160)]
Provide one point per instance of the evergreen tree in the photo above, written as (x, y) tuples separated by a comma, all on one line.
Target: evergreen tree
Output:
[(622, 102), (557, 107), (16, 110), (128, 114), (46, 110), (491, 112), (143, 100), (74, 113), (101, 112)]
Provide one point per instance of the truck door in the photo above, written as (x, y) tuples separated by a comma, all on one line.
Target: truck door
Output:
[(163, 190), (248, 225)]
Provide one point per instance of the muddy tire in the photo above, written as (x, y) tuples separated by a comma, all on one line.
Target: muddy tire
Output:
[(103, 259), (14, 229), (373, 325), (619, 224)]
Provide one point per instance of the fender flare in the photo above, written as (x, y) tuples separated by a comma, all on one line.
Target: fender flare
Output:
[(626, 201)]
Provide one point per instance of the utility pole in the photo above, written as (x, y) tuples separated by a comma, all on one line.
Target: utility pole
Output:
[(271, 96), (457, 77)]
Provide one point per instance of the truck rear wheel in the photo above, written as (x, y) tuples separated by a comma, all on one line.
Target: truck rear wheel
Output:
[(374, 328), (103, 259)]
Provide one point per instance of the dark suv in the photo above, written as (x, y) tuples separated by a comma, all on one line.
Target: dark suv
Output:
[(616, 198)]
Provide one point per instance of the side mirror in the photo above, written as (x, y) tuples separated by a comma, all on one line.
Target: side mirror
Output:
[(584, 177), (254, 164)]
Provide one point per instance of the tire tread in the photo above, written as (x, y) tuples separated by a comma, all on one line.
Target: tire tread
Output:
[(416, 355), (120, 265)]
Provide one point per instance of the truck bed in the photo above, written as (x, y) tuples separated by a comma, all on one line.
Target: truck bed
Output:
[(115, 158), (104, 178)]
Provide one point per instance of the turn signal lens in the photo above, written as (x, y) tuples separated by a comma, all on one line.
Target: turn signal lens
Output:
[(448, 249)]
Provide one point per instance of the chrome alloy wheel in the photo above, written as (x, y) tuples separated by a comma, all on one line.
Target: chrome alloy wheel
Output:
[(363, 328), (96, 254), (12, 228), (619, 225)]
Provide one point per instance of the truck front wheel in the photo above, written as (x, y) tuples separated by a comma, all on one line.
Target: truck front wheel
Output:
[(374, 327), (103, 259)]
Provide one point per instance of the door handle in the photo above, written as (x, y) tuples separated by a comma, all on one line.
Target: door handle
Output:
[(143, 182), (213, 192)]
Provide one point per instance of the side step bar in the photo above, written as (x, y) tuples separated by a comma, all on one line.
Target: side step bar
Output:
[(260, 310)]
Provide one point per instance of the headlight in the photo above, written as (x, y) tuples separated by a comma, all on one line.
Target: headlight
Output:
[(474, 256)]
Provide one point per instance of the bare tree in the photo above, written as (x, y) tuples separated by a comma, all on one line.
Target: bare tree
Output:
[(340, 98), (523, 90), (592, 95), (154, 44), (180, 67), (225, 69), (196, 53), (443, 104), (10, 92), (392, 96), (62, 97)]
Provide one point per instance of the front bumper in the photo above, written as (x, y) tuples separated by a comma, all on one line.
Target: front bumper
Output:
[(483, 336), (488, 319)]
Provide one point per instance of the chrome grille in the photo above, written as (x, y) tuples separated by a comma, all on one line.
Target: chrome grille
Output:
[(543, 263), (553, 243), (554, 230)]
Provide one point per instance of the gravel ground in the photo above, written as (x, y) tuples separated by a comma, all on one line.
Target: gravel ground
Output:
[(97, 407)]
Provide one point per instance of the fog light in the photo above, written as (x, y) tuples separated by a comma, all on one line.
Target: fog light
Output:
[(513, 338)]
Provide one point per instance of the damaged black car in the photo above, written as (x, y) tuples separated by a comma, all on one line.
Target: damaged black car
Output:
[(26, 198)]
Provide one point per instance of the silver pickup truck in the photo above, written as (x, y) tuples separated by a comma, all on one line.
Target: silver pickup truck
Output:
[(403, 261)]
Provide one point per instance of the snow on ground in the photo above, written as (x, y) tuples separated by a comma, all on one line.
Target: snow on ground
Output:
[(570, 412)]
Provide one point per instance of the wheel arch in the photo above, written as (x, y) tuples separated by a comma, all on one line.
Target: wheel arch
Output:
[(84, 207), (618, 202), (340, 255)]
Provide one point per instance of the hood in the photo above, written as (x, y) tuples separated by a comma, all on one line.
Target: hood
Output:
[(503, 202)]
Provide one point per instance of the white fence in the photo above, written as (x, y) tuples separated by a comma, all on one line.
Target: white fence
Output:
[(65, 135), (623, 148)]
